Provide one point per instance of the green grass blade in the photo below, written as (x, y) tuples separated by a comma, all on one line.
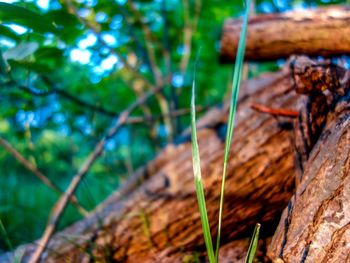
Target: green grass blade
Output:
[(5, 236), (253, 245), (198, 179), (233, 106)]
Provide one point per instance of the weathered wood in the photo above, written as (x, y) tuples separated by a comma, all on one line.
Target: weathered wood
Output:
[(315, 226), (318, 32), (160, 218)]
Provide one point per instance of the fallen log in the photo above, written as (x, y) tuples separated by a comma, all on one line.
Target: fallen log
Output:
[(159, 217), (312, 32), (158, 220), (315, 226)]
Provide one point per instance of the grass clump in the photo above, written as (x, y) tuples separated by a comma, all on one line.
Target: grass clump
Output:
[(213, 258)]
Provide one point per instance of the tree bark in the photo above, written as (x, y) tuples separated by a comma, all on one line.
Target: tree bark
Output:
[(315, 227), (155, 217), (159, 219), (319, 32)]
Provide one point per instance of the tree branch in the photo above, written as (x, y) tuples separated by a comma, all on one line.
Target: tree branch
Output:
[(61, 204), (30, 167)]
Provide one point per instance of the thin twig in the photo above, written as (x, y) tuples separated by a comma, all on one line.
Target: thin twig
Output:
[(176, 113), (159, 82), (274, 111), (30, 167), (64, 94), (61, 204), (148, 42), (190, 28), (72, 10), (157, 75)]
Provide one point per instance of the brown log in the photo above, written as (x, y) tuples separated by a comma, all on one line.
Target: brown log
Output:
[(317, 32), (315, 227), (160, 218)]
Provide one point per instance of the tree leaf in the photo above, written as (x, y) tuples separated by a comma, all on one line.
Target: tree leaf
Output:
[(49, 53), (21, 51), (7, 32), (19, 15)]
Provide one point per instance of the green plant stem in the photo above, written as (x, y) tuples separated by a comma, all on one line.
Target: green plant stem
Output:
[(198, 177), (233, 106), (253, 245)]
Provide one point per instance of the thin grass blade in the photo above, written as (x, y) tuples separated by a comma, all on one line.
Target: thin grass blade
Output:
[(233, 106), (198, 178), (253, 245), (5, 236)]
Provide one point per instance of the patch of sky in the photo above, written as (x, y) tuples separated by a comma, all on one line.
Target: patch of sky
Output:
[(156, 21), (178, 80), (143, 68), (94, 79), (7, 43), (24, 117), (90, 3), (123, 136), (266, 7), (89, 40), (109, 39), (59, 118), (281, 5), (49, 38), (82, 123), (84, 12), (104, 51), (63, 130), (41, 116), (345, 60), (43, 4), (120, 139), (181, 50), (116, 22), (55, 5), (61, 44), (109, 62), (101, 17), (280, 62), (97, 70), (162, 131), (20, 30), (300, 6), (121, 2), (55, 105), (79, 55)]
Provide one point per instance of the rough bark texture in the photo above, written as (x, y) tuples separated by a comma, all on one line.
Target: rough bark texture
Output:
[(315, 227), (320, 32), (159, 221)]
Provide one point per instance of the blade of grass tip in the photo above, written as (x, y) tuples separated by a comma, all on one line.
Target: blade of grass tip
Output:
[(253, 245), (198, 178), (233, 105), (3, 232)]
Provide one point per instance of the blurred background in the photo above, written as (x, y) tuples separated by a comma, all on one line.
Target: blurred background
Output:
[(68, 69)]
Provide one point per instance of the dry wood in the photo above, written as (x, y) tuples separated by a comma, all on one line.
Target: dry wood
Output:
[(154, 218), (315, 227), (160, 218), (319, 32)]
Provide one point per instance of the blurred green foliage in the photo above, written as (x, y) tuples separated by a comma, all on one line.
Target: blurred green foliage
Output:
[(53, 48)]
